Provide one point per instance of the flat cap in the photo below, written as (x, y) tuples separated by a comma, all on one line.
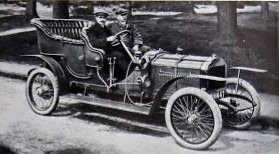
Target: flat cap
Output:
[(121, 11), (100, 12)]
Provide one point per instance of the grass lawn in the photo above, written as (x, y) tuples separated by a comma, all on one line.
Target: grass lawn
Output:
[(256, 45)]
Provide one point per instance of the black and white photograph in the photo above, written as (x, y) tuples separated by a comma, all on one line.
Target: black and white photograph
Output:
[(139, 77)]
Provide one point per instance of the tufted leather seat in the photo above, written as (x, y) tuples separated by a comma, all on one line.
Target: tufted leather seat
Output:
[(73, 35), (68, 30)]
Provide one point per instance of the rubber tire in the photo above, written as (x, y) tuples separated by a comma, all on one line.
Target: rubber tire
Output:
[(255, 98), (214, 108), (54, 82)]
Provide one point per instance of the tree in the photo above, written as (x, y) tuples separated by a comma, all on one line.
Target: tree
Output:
[(129, 5), (189, 7), (31, 11), (265, 10), (227, 21), (60, 9)]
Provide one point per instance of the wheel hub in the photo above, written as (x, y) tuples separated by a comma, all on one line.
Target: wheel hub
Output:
[(40, 91), (233, 102), (192, 118)]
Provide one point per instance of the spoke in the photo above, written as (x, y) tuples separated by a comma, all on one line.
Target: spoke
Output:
[(43, 80), (244, 98), (40, 79), (192, 104), (48, 102), (205, 110), (185, 129), (201, 122), (178, 111), (199, 104), (197, 135), (36, 79), (182, 128), (181, 105), (209, 124), (177, 116), (186, 103), (202, 116), (178, 123), (44, 103), (207, 120), (40, 104), (206, 124), (36, 100), (205, 131)]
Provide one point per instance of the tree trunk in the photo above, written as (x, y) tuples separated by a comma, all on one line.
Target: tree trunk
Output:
[(129, 5), (60, 9), (90, 6), (227, 21), (191, 7), (265, 10), (31, 11)]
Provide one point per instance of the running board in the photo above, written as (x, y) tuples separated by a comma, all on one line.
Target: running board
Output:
[(106, 103)]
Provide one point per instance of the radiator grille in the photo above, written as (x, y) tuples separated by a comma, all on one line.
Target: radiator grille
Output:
[(218, 71)]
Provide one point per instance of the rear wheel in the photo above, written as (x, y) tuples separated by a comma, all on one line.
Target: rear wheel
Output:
[(245, 101), (42, 91), (193, 118)]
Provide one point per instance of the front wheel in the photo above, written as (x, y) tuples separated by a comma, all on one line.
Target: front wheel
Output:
[(42, 91), (245, 101), (193, 118)]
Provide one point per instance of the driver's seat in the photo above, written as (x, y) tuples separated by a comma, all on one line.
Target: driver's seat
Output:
[(94, 57)]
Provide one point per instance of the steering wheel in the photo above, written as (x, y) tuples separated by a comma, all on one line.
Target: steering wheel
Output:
[(118, 36), (120, 41)]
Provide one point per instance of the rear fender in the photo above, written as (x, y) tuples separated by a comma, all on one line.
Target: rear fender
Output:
[(55, 67), (30, 71)]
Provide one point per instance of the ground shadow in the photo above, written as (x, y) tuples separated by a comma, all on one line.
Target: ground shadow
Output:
[(130, 122), (65, 110), (6, 150), (73, 151), (266, 125)]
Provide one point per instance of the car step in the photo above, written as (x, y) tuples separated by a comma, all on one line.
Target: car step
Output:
[(106, 103)]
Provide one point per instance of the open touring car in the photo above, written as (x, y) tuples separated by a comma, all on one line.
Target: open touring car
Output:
[(194, 91)]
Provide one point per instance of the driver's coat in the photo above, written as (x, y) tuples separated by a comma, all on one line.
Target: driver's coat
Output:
[(98, 36), (133, 39)]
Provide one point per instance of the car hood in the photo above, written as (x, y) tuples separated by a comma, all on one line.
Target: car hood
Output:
[(184, 61)]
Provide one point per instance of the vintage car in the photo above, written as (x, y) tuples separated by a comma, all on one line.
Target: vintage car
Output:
[(193, 91)]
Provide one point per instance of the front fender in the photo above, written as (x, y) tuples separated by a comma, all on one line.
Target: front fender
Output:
[(55, 67), (159, 95)]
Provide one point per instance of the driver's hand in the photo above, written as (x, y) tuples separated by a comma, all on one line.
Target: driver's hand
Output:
[(136, 48), (111, 38), (115, 42), (124, 37)]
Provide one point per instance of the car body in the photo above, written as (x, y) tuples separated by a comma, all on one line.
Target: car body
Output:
[(193, 90)]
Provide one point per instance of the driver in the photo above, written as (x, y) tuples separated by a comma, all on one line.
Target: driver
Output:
[(133, 40), (100, 36)]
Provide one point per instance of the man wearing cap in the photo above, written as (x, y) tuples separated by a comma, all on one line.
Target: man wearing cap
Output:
[(132, 40), (100, 36)]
